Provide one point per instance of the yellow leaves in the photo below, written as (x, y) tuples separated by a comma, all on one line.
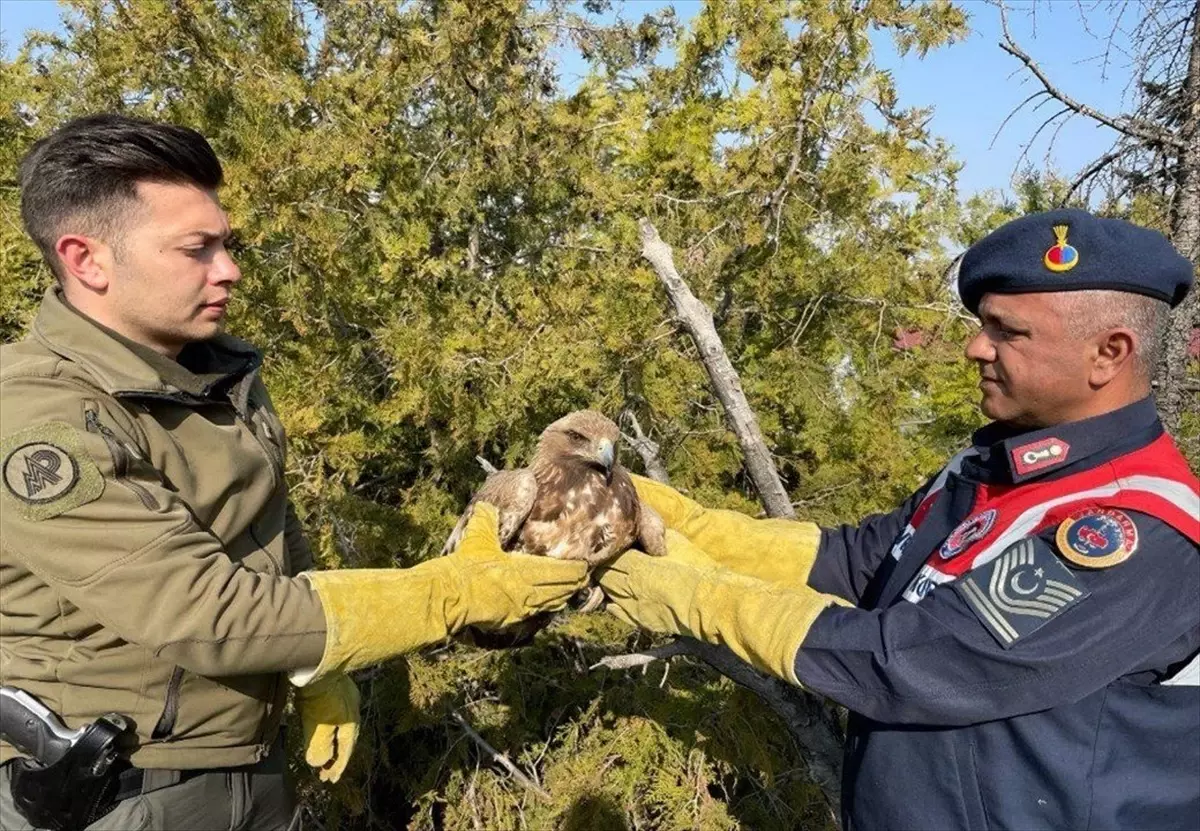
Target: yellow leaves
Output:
[(300, 419)]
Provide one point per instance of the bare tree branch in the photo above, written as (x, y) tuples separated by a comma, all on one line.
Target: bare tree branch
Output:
[(727, 384), (645, 447), (1123, 125), (500, 758), (1173, 399), (1092, 171)]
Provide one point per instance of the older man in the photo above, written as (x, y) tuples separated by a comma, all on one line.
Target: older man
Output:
[(1017, 643)]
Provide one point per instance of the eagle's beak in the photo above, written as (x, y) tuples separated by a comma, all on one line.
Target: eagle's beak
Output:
[(606, 454)]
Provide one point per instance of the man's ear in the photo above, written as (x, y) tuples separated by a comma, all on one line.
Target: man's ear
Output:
[(85, 260), (1114, 354)]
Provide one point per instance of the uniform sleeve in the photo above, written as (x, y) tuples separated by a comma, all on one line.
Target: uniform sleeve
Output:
[(939, 663), (849, 555), (114, 541)]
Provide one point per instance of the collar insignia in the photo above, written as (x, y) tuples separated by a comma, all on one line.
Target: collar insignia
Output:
[(1039, 455), (1061, 256), (1097, 537)]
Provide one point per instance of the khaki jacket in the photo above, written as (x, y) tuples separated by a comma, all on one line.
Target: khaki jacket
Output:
[(148, 550)]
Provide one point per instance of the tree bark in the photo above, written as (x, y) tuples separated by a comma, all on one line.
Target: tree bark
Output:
[(727, 384), (1172, 392)]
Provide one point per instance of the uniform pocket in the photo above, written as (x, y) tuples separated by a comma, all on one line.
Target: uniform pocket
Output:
[(968, 777), (133, 814), (123, 454), (170, 712)]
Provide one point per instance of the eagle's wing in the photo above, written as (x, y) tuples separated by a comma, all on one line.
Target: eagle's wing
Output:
[(651, 531), (512, 492)]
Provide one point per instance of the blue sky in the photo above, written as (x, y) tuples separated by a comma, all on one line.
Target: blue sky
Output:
[(972, 85)]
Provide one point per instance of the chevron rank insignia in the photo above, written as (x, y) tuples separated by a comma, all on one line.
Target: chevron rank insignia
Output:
[(1020, 591)]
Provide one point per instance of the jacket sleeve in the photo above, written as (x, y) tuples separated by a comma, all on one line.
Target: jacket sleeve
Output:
[(120, 545), (849, 555), (937, 663)]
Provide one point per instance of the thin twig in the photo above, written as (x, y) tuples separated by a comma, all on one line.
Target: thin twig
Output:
[(501, 758), (633, 660), (1125, 125)]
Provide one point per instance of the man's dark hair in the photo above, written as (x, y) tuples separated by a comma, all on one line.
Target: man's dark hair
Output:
[(86, 173)]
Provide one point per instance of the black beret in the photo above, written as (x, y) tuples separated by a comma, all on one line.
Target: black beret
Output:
[(1070, 250)]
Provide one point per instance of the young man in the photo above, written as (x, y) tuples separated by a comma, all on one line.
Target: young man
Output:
[(150, 554), (1017, 643)]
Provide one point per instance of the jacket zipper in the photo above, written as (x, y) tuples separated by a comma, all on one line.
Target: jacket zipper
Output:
[(264, 742), (166, 721), (121, 454)]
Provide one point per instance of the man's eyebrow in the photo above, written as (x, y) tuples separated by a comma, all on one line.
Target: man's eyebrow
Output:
[(206, 235), (1001, 319)]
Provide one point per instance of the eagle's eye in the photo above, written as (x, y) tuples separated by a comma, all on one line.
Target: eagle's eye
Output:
[(575, 435)]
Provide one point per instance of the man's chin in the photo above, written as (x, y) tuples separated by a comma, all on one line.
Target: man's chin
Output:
[(206, 330), (993, 407)]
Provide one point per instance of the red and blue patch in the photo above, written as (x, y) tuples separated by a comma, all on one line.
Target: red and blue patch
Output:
[(970, 530), (1097, 537)]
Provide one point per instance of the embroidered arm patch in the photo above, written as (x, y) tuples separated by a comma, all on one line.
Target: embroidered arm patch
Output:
[(47, 471), (1020, 591)]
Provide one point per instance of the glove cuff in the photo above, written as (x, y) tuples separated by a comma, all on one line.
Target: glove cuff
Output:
[(762, 623), (361, 605)]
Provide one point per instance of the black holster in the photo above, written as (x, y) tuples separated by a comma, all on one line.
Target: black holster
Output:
[(76, 790)]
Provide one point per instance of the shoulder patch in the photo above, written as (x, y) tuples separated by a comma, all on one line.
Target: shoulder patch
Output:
[(47, 471), (1020, 591), (1097, 537)]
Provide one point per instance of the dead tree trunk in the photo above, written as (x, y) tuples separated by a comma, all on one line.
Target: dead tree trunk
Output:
[(1173, 396), (727, 384)]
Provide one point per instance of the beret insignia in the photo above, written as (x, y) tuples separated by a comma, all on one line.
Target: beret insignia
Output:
[(1020, 591), (1061, 256), (1097, 537)]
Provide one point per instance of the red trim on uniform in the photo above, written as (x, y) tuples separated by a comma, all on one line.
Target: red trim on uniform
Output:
[(1159, 459)]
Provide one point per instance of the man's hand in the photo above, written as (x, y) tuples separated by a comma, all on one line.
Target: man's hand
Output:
[(375, 614), (689, 593), (499, 588), (329, 716), (779, 550)]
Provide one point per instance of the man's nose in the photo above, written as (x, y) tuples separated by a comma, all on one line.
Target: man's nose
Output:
[(980, 348), (226, 270)]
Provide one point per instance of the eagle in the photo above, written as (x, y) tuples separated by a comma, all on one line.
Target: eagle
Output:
[(573, 502)]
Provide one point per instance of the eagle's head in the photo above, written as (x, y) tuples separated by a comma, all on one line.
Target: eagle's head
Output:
[(584, 436)]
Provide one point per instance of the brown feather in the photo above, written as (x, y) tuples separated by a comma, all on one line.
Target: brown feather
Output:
[(571, 503)]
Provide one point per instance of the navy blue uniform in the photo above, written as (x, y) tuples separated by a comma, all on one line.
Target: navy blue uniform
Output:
[(968, 710)]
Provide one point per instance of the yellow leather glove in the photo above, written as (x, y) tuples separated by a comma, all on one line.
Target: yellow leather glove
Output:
[(329, 716), (689, 593), (375, 614), (779, 550)]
